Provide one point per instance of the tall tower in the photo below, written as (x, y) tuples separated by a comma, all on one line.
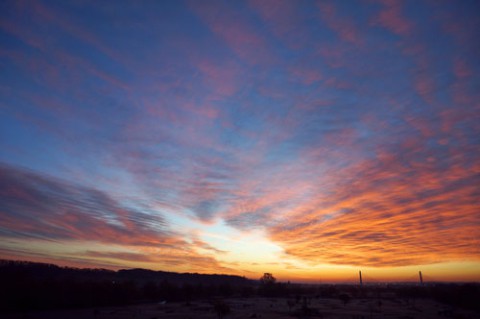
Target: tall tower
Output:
[(421, 278), (360, 275)]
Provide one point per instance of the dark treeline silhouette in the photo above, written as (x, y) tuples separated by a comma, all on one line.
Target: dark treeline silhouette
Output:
[(28, 286), (39, 286)]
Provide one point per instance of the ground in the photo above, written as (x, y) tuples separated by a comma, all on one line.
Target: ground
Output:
[(263, 308)]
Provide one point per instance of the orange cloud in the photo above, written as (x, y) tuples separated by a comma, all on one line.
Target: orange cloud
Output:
[(388, 211)]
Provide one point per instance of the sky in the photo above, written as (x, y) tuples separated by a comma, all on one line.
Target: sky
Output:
[(308, 139)]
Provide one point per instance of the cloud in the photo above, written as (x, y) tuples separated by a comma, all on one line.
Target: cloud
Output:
[(343, 131), (198, 243), (236, 30), (39, 208), (135, 257), (461, 69), (345, 29), (392, 18), (36, 206), (306, 74), (61, 20), (54, 62), (223, 78), (379, 212), (286, 21)]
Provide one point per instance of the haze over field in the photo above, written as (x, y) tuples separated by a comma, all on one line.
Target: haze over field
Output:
[(308, 139)]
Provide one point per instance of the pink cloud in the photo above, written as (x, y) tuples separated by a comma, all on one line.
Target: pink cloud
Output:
[(60, 19), (284, 21), (464, 94), (345, 29), (53, 64), (420, 125), (461, 68), (334, 55), (423, 74), (337, 83), (235, 30), (223, 78), (27, 36), (391, 17), (307, 75), (425, 86)]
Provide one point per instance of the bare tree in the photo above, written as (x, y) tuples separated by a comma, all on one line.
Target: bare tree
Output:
[(267, 279)]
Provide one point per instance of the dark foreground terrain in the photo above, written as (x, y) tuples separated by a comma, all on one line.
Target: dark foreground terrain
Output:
[(37, 291), (264, 308)]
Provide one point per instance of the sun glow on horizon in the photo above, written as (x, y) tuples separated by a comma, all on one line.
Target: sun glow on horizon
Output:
[(308, 139)]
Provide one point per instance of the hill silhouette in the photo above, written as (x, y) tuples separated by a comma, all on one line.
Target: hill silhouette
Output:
[(31, 285)]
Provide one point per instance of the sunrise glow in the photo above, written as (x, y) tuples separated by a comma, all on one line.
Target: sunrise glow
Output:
[(309, 139)]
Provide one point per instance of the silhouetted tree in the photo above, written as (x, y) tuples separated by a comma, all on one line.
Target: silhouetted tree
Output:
[(270, 288), (267, 279)]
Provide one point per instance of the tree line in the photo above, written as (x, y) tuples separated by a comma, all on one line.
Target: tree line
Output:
[(39, 286)]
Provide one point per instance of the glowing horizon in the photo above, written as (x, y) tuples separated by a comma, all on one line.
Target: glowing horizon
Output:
[(307, 139)]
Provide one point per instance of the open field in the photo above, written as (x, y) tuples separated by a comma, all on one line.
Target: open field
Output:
[(264, 308)]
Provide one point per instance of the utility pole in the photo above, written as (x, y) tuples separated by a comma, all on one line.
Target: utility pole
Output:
[(421, 278), (360, 275)]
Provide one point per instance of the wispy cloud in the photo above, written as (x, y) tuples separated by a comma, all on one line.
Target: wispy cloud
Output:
[(41, 208), (235, 29), (345, 29), (343, 132), (391, 16)]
